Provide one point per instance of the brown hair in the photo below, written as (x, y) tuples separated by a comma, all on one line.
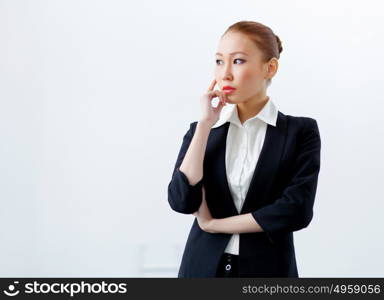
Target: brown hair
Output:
[(263, 36)]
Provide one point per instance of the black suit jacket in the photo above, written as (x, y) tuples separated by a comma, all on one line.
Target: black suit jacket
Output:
[(280, 197)]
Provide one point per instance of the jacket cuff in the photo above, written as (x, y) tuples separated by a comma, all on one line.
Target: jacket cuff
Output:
[(263, 225), (190, 196)]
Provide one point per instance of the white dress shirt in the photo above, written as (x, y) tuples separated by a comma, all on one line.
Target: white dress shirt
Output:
[(244, 144)]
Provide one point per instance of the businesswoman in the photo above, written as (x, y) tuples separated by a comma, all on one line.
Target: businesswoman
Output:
[(246, 171)]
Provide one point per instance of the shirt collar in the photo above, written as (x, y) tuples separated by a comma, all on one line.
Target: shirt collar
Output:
[(267, 114)]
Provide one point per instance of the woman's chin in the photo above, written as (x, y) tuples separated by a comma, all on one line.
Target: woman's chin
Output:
[(230, 99)]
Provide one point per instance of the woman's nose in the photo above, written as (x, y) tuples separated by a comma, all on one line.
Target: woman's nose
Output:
[(227, 75)]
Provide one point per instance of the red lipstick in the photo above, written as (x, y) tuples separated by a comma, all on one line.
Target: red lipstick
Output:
[(228, 89)]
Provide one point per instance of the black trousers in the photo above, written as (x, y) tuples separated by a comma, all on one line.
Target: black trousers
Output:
[(228, 266)]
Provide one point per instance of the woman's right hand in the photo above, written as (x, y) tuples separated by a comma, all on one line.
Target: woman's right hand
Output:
[(210, 114)]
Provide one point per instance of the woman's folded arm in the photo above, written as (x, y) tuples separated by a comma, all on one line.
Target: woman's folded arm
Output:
[(185, 187)]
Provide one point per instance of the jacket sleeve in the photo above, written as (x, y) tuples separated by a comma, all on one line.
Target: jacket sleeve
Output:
[(183, 197), (294, 209)]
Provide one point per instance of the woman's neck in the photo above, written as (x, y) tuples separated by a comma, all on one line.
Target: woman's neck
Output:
[(251, 108)]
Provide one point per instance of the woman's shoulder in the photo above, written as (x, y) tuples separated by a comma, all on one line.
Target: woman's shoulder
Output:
[(303, 122), (192, 126), (304, 126)]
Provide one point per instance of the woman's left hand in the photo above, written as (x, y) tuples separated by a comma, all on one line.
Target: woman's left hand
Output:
[(203, 215)]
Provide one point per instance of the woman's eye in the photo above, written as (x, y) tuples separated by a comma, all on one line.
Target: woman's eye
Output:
[(240, 59), (219, 60)]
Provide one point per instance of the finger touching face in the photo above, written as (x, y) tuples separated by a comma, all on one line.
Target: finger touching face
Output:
[(212, 85)]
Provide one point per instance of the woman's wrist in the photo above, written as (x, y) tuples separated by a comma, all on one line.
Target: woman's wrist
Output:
[(205, 124), (210, 227)]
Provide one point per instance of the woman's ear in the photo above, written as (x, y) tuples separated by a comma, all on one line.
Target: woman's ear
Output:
[(273, 65)]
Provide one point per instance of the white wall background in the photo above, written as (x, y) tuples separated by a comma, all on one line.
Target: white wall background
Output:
[(95, 97)]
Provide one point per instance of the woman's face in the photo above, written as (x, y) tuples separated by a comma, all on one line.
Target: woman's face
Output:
[(244, 71)]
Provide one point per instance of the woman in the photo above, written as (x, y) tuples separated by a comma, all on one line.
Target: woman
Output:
[(248, 173)]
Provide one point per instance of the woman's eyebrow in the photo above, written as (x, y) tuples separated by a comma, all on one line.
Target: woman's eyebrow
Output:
[(218, 53)]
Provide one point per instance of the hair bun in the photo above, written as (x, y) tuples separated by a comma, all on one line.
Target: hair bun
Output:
[(280, 47)]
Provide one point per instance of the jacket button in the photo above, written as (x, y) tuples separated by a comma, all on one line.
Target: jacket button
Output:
[(228, 267)]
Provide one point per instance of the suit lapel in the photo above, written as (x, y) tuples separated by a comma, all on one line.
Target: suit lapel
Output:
[(267, 165), (216, 149)]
